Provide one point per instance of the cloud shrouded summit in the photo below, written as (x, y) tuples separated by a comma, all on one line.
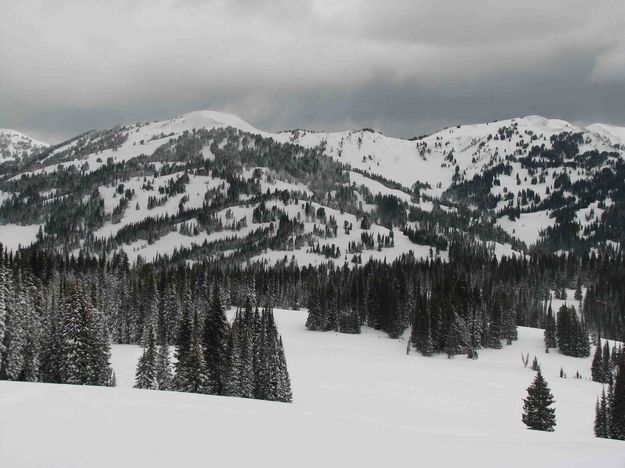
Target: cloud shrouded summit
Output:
[(404, 68)]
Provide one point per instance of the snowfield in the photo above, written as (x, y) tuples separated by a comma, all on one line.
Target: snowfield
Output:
[(359, 400), (13, 236)]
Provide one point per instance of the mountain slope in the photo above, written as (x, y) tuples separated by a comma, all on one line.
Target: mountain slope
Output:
[(16, 145), (512, 184)]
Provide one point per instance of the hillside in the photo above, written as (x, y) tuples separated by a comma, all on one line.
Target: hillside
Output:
[(208, 183), (352, 393), (17, 146)]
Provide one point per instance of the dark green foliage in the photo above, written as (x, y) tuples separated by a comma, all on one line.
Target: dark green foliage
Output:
[(146, 375), (572, 334), (617, 404), (550, 330), (537, 411), (610, 409), (215, 341), (191, 373), (602, 417)]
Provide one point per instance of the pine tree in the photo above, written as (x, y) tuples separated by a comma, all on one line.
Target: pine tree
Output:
[(607, 363), (164, 378), (422, 332), (284, 392), (215, 342), (3, 311), (572, 335), (602, 417), (183, 338), (15, 334), (550, 330), (84, 346), (617, 404), (535, 365), (146, 367), (316, 320), (232, 382), (596, 368), (191, 374), (100, 350), (510, 332), (537, 413)]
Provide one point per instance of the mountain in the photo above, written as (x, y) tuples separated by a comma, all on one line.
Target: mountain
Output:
[(210, 184), (16, 145)]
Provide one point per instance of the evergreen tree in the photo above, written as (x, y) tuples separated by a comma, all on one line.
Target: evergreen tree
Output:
[(550, 330), (163, 374), (215, 342), (572, 335), (596, 368), (283, 392), (317, 320), (15, 334), (537, 413), (602, 417), (84, 347), (146, 377), (510, 332), (184, 336), (232, 382), (421, 332), (617, 404), (3, 310), (607, 363), (535, 365), (191, 374)]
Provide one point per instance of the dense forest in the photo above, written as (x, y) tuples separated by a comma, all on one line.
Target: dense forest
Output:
[(59, 314)]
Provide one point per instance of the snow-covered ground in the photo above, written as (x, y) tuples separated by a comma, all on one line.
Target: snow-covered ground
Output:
[(359, 400), (13, 143), (12, 236)]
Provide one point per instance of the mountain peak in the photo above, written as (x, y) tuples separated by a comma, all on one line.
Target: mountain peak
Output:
[(212, 119), (14, 143)]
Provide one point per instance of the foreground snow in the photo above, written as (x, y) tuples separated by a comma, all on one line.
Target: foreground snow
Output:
[(359, 400)]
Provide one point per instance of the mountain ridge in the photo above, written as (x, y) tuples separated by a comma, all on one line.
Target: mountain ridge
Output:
[(509, 182)]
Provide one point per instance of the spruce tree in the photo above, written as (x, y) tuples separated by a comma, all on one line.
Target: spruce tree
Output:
[(607, 363), (215, 341), (422, 332), (510, 332), (550, 330), (316, 320), (84, 346), (537, 413), (163, 372), (183, 338), (284, 392), (597, 368), (191, 374), (3, 311), (602, 417), (232, 382), (146, 367), (15, 334), (617, 404)]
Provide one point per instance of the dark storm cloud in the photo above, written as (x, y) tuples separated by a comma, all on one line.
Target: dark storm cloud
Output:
[(404, 67)]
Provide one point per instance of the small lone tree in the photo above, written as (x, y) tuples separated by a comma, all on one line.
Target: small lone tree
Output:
[(537, 413)]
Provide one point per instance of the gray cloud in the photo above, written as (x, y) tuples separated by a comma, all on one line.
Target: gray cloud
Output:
[(405, 68)]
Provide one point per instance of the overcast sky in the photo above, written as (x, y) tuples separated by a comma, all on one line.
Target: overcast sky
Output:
[(404, 67)]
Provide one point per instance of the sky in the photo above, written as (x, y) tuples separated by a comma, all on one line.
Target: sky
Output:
[(403, 67)]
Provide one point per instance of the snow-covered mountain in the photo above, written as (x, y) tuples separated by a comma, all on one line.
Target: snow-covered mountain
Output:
[(16, 145), (523, 181)]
